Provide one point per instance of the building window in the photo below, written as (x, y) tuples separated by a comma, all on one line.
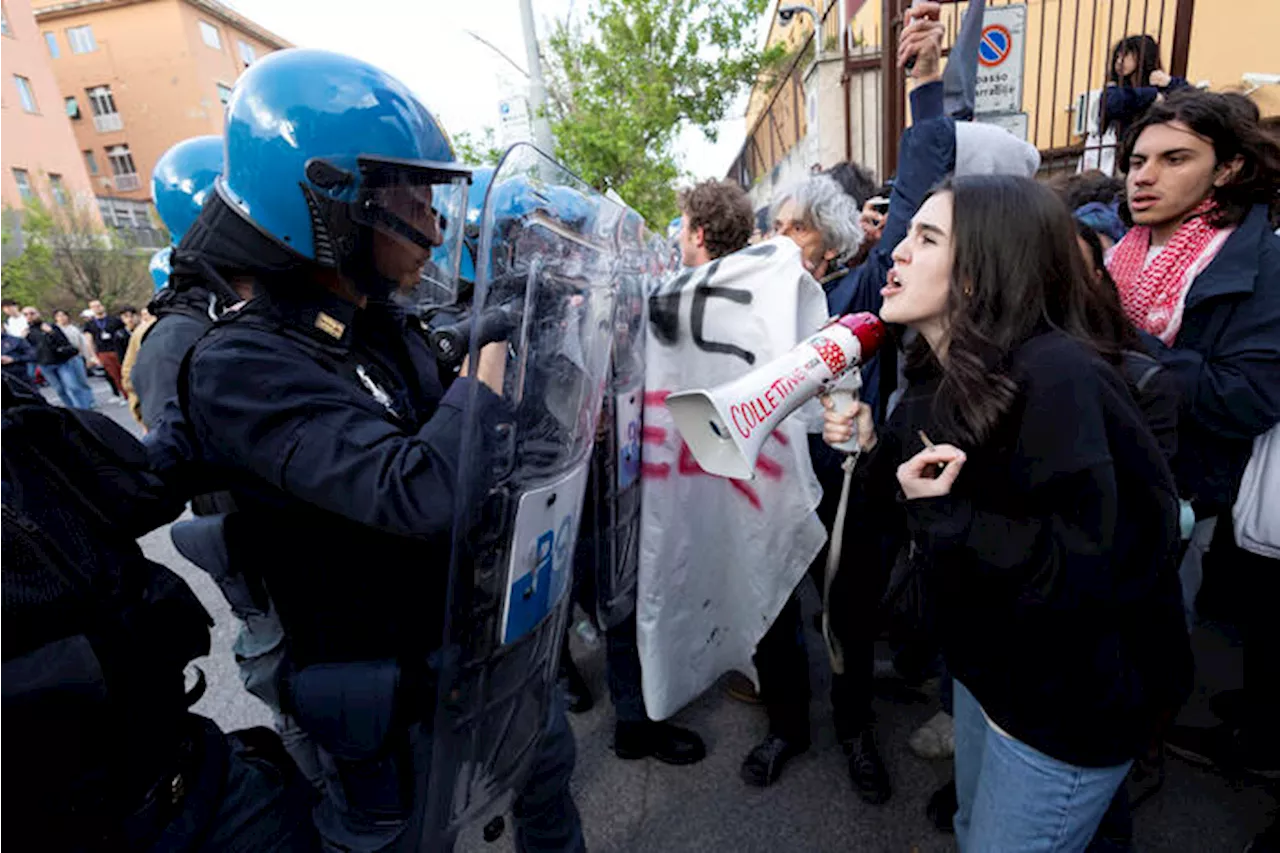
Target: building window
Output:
[(51, 39), (122, 167), (24, 92), (81, 39), (209, 33), (131, 220), (90, 162), (224, 93), (247, 54), (59, 190), (73, 109), (106, 118), (24, 184)]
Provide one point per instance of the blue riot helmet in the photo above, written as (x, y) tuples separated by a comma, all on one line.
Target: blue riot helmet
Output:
[(337, 161), (159, 267), (182, 180), (480, 179), (570, 206)]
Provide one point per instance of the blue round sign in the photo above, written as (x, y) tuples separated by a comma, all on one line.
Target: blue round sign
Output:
[(995, 45)]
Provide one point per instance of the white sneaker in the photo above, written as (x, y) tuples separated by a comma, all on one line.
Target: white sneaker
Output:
[(936, 738)]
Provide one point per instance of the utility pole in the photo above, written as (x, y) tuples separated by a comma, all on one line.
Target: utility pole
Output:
[(537, 90)]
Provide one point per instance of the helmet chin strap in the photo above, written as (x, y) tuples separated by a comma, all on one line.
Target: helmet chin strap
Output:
[(361, 269)]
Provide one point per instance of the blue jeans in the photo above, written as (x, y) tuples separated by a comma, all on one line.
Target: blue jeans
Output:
[(1012, 797), (71, 382)]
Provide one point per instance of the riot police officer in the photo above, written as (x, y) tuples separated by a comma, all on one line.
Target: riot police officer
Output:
[(322, 406), (183, 306)]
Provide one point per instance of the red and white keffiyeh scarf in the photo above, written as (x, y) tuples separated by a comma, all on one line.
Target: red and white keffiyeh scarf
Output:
[(1153, 294)]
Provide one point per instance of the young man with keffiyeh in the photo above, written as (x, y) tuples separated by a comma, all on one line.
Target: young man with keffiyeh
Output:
[(1199, 275)]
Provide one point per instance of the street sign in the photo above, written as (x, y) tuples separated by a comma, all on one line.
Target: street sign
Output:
[(515, 124), (1000, 60), (994, 46), (1015, 123)]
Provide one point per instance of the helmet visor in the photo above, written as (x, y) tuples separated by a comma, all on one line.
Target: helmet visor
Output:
[(416, 212)]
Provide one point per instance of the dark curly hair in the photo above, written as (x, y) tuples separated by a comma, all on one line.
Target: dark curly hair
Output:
[(723, 210), (857, 183), (1234, 133), (1088, 186)]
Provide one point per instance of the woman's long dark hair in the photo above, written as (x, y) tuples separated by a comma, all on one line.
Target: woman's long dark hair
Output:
[(1111, 329), (1146, 49), (1017, 272)]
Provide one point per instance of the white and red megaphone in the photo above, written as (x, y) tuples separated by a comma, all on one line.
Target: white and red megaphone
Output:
[(726, 426)]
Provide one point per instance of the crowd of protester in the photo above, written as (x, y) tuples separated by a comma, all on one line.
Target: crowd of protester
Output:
[(62, 353), (1102, 353)]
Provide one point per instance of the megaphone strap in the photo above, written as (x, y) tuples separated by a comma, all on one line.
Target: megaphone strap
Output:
[(834, 651)]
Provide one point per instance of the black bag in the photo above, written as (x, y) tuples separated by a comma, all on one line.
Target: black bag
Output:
[(95, 635)]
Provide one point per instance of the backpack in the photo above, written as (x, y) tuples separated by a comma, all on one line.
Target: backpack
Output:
[(95, 635)]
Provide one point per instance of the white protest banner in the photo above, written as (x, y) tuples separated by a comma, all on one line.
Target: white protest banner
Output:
[(720, 557)]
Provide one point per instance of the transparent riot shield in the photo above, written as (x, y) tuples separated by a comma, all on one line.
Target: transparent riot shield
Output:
[(546, 276), (609, 548)]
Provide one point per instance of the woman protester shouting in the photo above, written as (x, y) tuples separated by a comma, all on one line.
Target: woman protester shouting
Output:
[(1045, 515)]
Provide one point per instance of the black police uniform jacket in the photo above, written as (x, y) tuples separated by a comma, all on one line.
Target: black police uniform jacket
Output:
[(341, 448)]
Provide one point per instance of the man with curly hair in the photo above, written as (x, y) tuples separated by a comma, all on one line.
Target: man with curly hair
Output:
[(716, 220)]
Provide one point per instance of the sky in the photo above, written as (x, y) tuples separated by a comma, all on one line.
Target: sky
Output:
[(426, 45)]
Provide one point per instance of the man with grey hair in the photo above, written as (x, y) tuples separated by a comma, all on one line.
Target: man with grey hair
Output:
[(823, 221)]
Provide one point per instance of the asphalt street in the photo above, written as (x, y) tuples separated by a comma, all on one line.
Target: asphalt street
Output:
[(645, 807)]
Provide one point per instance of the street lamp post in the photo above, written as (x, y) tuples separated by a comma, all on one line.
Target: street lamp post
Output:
[(537, 90)]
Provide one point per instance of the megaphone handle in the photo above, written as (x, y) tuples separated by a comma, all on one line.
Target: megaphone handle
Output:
[(846, 401)]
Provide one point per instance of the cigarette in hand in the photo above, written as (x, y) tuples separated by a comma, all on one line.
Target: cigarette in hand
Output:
[(939, 466)]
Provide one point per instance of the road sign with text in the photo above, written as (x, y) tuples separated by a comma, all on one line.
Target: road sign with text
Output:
[(1000, 60)]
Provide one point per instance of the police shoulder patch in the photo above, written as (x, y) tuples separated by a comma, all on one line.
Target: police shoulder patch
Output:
[(329, 325)]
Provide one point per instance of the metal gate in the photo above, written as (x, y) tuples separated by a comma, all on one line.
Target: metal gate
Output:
[(1065, 68), (1065, 65)]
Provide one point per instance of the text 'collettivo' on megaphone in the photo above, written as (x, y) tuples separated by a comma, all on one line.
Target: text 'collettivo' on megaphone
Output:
[(726, 426)]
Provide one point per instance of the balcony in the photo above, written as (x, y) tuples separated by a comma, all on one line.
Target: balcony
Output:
[(108, 123), (139, 238), (127, 183)]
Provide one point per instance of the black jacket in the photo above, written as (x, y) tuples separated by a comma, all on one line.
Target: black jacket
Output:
[(1053, 562), (1226, 361), (345, 495), (51, 346), (184, 311)]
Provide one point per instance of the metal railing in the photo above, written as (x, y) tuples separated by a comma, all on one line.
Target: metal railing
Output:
[(1065, 66), (108, 123), (127, 183), (1068, 46)]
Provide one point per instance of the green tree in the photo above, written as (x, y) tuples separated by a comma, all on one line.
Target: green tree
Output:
[(68, 258), (478, 152), (622, 84)]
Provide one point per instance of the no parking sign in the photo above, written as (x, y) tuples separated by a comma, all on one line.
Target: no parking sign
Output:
[(1000, 54)]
